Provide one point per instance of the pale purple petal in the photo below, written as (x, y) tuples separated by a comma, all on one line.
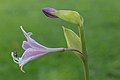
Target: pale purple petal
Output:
[(25, 45), (35, 44), (31, 54), (30, 41)]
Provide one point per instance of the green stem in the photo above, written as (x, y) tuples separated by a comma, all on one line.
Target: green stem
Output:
[(82, 35), (84, 51), (86, 69)]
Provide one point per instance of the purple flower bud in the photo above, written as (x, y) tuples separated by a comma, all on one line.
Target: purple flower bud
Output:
[(67, 15), (48, 12)]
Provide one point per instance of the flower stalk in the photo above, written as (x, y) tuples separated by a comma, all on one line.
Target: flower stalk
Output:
[(84, 51)]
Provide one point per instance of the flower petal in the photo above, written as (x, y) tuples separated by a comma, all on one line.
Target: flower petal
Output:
[(25, 45), (31, 54), (35, 44), (31, 42)]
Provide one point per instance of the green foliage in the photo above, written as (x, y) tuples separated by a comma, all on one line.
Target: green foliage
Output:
[(73, 41)]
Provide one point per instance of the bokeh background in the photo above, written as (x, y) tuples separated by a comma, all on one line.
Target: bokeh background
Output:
[(102, 28)]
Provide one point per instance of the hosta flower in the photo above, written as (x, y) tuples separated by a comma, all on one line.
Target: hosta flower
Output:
[(33, 50), (67, 15)]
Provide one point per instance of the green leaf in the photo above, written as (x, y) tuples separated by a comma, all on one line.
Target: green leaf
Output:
[(73, 41)]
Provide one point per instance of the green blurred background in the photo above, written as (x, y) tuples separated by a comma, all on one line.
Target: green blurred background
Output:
[(102, 28)]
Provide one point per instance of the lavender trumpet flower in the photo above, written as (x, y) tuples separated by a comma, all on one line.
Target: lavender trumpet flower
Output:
[(34, 50)]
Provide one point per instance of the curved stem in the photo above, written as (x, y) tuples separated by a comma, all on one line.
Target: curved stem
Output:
[(71, 49), (75, 50), (65, 49)]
